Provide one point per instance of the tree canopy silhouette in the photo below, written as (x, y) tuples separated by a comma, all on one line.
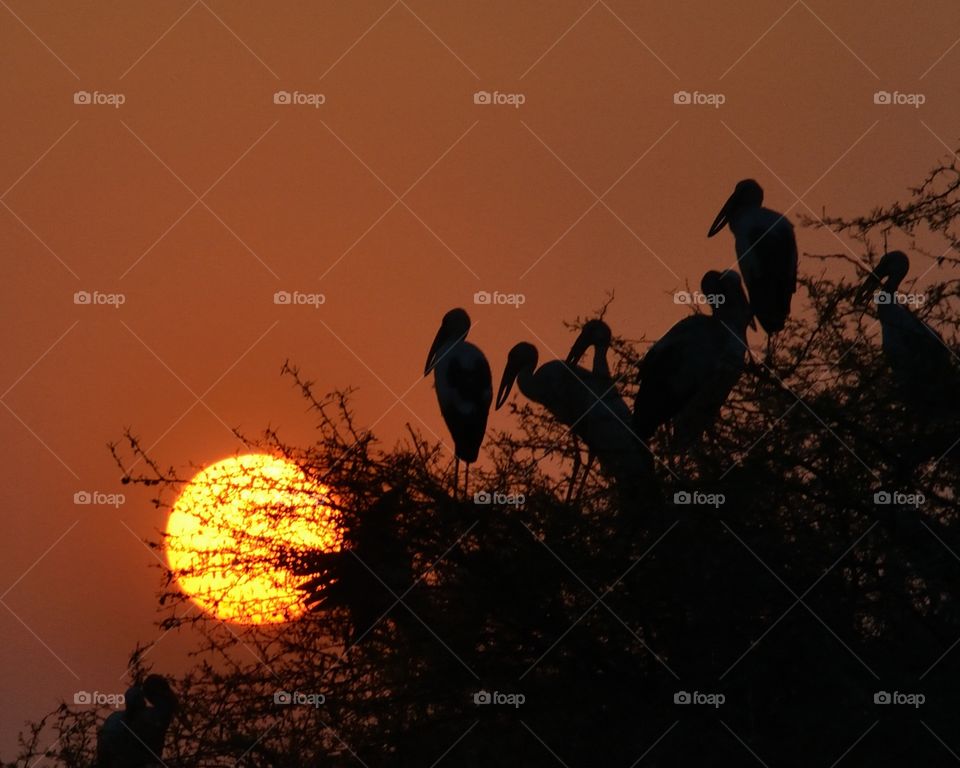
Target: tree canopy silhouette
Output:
[(799, 565)]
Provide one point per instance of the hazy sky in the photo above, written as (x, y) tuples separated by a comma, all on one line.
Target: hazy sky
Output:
[(198, 197)]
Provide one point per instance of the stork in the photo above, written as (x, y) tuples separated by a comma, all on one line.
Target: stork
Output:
[(594, 413), (464, 389), (920, 360), (766, 254), (687, 375), (118, 742), (155, 720)]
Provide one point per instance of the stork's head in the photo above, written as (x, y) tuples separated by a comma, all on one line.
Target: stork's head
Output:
[(453, 328), (746, 195), (888, 274), (158, 692), (523, 357), (596, 334)]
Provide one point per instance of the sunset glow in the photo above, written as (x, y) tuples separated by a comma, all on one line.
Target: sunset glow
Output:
[(230, 524)]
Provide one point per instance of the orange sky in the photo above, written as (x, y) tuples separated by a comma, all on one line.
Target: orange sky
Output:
[(397, 198)]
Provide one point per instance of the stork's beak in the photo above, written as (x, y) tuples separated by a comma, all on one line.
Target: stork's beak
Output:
[(432, 354), (721, 221), (578, 350), (753, 322), (506, 383)]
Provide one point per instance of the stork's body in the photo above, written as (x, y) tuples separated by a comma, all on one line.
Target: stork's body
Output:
[(688, 374), (766, 253), (464, 387), (119, 744), (592, 410), (920, 360)]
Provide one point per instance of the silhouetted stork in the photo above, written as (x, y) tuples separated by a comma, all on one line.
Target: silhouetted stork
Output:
[(687, 375), (119, 744), (155, 720), (766, 253), (464, 388), (920, 360), (595, 413), (594, 333)]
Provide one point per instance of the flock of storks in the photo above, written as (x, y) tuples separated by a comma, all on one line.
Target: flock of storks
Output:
[(134, 737), (684, 379), (686, 376)]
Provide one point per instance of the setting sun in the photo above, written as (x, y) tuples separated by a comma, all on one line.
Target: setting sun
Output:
[(230, 529)]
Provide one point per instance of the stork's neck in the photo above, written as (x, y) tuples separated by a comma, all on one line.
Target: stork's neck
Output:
[(601, 368)]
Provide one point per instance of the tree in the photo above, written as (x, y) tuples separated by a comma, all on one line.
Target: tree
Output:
[(814, 573)]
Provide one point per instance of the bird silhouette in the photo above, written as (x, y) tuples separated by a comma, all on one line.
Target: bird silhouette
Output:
[(464, 388), (766, 254), (687, 375), (119, 742), (921, 362), (593, 410)]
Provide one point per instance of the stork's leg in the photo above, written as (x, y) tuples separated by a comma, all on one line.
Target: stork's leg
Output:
[(576, 468), (584, 475), (768, 360), (466, 480), (456, 476)]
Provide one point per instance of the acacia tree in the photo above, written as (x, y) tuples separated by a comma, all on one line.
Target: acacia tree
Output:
[(788, 601)]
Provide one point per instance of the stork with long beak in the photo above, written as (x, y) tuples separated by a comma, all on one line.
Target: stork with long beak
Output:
[(921, 362), (688, 374), (464, 389), (766, 254), (593, 411)]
